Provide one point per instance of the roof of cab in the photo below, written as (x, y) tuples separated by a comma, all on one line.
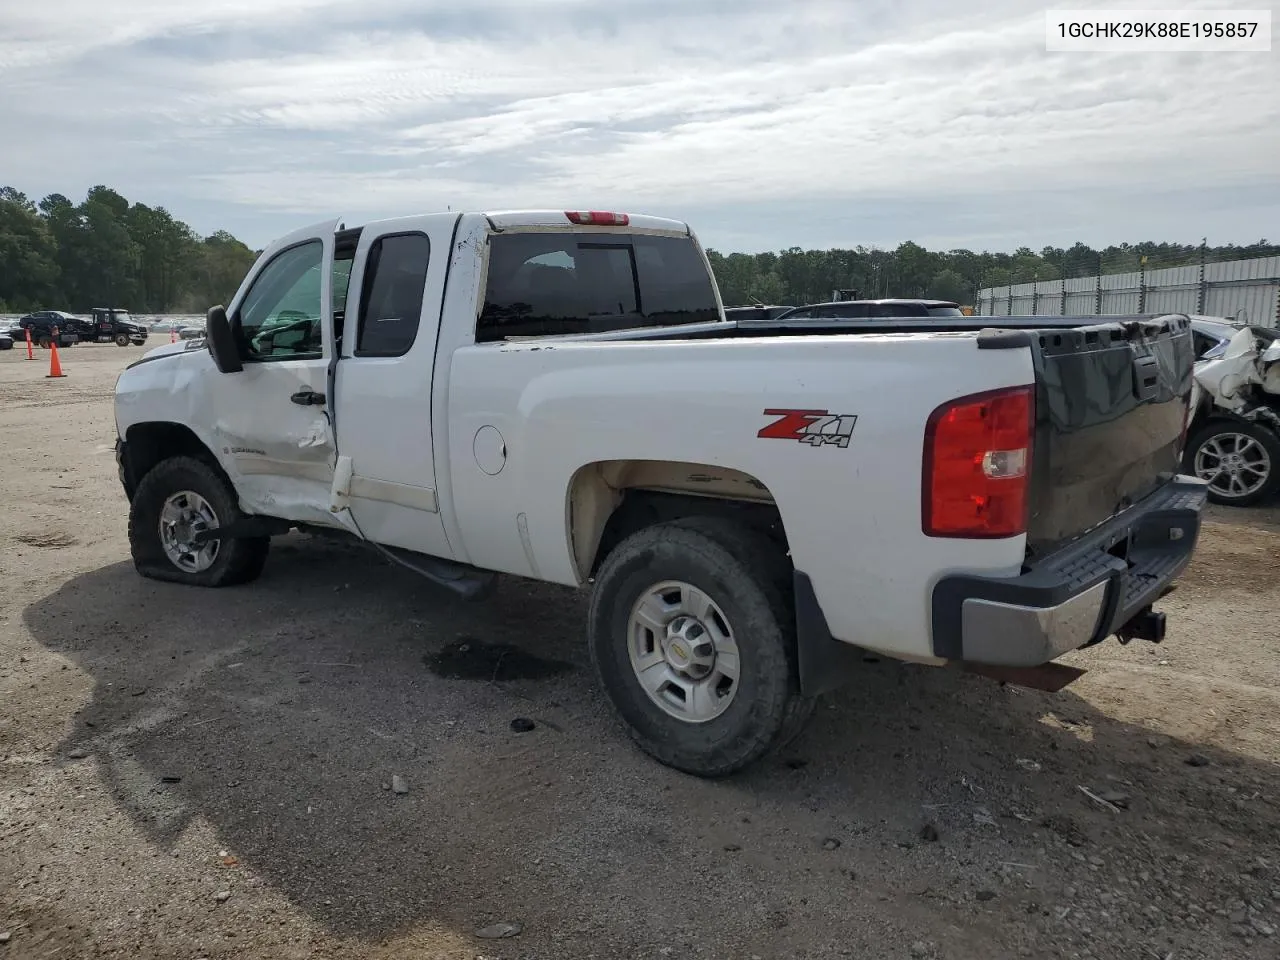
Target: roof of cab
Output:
[(511, 219)]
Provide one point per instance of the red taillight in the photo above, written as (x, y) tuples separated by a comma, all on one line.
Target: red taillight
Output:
[(599, 218), (977, 455)]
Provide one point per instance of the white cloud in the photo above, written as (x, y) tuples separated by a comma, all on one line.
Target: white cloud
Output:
[(304, 108)]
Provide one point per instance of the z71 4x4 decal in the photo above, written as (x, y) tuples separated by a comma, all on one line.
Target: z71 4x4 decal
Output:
[(814, 427)]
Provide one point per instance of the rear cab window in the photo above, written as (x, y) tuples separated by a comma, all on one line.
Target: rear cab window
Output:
[(543, 284)]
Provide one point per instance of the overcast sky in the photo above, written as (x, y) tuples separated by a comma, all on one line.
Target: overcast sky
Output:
[(765, 123)]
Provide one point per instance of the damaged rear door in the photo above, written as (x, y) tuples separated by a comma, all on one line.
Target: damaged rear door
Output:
[(271, 419)]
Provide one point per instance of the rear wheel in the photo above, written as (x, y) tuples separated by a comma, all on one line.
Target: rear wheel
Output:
[(176, 500), (692, 637), (1240, 460)]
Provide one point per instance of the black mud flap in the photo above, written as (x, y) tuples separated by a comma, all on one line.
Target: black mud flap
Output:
[(824, 663)]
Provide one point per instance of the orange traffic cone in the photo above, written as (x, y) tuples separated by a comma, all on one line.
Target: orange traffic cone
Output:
[(55, 368), (31, 353)]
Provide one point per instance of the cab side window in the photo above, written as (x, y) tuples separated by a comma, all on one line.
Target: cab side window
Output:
[(280, 317), (395, 278)]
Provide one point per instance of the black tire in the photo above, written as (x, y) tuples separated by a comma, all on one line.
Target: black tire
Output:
[(1222, 429), (748, 578), (6, 344), (238, 561), (122, 339)]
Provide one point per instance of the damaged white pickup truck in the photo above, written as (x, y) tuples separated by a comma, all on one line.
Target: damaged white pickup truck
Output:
[(558, 396)]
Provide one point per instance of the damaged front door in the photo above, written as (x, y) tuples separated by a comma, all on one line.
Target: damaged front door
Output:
[(271, 418)]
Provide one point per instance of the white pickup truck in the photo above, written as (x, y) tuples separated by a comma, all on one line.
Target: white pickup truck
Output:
[(559, 396)]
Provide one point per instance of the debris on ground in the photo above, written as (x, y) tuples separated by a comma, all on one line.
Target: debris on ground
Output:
[(983, 816), (501, 930), (1101, 800), (929, 833), (831, 843), (1116, 797), (399, 784), (522, 724), (223, 896)]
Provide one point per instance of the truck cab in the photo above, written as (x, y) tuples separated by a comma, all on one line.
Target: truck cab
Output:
[(115, 325)]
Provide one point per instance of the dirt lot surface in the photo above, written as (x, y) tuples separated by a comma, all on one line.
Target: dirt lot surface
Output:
[(188, 773)]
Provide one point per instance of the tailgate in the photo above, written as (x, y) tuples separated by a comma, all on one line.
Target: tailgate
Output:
[(1111, 404)]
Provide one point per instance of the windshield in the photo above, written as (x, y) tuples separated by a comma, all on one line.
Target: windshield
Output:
[(122, 316)]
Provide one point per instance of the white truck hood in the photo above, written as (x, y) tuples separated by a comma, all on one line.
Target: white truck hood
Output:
[(166, 348)]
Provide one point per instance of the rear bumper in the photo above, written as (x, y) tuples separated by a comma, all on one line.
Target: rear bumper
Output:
[(1100, 585)]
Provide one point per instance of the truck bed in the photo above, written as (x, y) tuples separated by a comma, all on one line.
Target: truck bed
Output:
[(1111, 400)]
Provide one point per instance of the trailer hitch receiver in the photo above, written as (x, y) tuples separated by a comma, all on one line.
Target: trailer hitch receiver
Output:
[(1147, 624)]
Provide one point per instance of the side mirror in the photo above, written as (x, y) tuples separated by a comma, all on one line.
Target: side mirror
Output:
[(222, 339)]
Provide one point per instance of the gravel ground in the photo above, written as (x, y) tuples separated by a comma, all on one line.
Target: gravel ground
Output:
[(189, 773)]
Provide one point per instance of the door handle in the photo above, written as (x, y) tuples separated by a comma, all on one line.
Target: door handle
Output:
[(307, 397)]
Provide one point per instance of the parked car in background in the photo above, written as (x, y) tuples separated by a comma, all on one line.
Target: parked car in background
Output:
[(6, 341), (756, 311), (866, 309), (43, 322), (168, 328)]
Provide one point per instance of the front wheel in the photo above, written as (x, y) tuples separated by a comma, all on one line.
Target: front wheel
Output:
[(122, 339), (176, 500), (1239, 459), (691, 630)]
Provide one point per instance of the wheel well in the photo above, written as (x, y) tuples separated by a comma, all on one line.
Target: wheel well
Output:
[(147, 444), (610, 500)]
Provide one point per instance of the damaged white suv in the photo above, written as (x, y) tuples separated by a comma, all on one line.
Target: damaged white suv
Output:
[(1235, 436)]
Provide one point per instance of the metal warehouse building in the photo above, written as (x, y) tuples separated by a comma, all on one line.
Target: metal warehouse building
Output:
[(1244, 290)]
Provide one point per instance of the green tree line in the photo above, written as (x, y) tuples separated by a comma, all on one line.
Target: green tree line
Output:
[(797, 276), (106, 251)]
